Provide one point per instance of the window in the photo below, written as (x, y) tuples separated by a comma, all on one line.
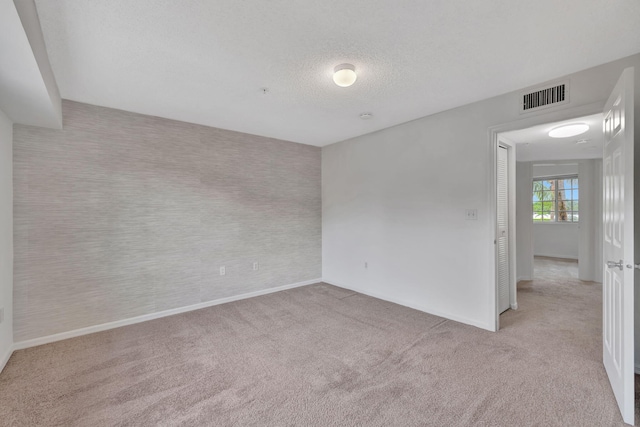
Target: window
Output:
[(555, 199)]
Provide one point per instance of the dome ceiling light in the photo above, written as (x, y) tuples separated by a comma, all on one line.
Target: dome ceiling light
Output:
[(566, 131), (344, 75)]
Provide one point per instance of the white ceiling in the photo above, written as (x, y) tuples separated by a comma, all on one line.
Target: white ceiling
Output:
[(535, 144), (205, 61)]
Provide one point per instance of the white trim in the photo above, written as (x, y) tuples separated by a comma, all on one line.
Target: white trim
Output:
[(549, 116), (514, 306), (6, 357), (556, 223), (526, 278), (561, 256), (556, 190), (413, 305), (145, 317)]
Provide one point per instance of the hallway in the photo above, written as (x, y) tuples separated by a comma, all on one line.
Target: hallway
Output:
[(557, 297), (550, 269)]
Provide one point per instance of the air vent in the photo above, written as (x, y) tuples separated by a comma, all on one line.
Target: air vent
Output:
[(545, 97)]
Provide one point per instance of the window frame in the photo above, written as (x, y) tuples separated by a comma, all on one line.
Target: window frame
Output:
[(557, 178)]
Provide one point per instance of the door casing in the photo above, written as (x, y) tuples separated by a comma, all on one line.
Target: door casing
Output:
[(495, 139)]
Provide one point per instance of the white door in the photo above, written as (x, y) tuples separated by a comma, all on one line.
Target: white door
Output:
[(502, 239), (618, 253)]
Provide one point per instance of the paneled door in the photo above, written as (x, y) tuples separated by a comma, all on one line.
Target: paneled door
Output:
[(617, 289)]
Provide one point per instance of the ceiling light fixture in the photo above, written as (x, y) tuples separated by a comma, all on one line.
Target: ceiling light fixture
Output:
[(566, 131), (366, 116), (344, 75), (582, 141)]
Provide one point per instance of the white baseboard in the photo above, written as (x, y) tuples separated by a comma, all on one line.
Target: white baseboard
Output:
[(413, 305), (521, 278), (6, 357), (561, 256), (145, 317)]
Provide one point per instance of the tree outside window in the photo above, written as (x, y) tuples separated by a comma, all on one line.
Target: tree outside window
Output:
[(556, 199)]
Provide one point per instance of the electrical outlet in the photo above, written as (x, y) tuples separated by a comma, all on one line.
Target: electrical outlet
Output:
[(471, 214), (256, 266), (223, 271)]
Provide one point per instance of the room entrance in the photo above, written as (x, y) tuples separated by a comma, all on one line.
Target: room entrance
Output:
[(559, 199), (548, 201), (555, 204)]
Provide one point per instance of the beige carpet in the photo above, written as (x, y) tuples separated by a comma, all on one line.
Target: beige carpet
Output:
[(324, 356)]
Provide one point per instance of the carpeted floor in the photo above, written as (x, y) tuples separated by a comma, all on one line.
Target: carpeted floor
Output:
[(324, 356)]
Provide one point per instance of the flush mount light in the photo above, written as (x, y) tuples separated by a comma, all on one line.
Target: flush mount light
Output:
[(582, 141), (344, 75), (366, 116), (566, 131)]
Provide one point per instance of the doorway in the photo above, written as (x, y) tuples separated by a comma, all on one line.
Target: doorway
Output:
[(559, 206), (616, 216), (555, 186)]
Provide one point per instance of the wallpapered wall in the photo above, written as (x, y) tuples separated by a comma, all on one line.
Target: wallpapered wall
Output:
[(121, 214)]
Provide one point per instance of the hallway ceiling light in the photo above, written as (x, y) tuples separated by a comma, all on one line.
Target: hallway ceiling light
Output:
[(344, 75), (566, 131)]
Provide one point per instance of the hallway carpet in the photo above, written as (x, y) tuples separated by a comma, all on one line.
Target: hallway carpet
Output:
[(325, 356)]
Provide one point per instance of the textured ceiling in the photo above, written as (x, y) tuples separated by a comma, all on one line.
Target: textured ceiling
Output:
[(205, 61), (534, 143)]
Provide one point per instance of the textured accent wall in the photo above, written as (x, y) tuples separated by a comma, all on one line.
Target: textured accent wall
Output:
[(121, 214)]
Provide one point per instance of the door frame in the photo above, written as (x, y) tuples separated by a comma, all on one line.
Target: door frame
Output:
[(545, 116)]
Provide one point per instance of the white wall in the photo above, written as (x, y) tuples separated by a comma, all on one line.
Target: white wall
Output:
[(599, 265), (31, 23), (590, 239), (28, 87), (6, 237), (556, 240), (396, 199), (524, 223)]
